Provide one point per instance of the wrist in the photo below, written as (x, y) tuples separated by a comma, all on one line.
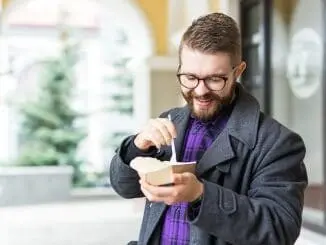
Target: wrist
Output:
[(197, 200), (199, 193), (196, 203)]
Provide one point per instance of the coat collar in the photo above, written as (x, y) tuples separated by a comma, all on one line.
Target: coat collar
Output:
[(244, 120)]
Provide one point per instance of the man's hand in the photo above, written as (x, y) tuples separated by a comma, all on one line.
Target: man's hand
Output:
[(157, 132), (186, 188)]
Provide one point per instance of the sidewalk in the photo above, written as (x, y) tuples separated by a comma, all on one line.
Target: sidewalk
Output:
[(109, 221), (106, 222)]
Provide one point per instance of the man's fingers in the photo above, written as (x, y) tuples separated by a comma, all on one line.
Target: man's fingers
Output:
[(163, 130), (177, 179), (170, 126), (166, 128), (181, 178), (157, 132), (186, 188), (148, 195), (158, 192), (155, 138)]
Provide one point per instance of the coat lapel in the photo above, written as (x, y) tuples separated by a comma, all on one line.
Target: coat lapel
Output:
[(157, 210), (220, 151)]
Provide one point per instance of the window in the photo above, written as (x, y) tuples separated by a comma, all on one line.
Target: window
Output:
[(299, 91), (104, 83)]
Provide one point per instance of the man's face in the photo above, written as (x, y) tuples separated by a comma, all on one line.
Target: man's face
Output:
[(203, 102)]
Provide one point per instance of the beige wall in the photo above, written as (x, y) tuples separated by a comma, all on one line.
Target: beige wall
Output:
[(165, 92), (164, 88)]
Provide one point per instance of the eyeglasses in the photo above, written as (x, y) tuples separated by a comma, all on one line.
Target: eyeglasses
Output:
[(213, 83)]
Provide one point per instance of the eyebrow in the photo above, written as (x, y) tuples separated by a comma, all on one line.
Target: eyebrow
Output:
[(211, 75)]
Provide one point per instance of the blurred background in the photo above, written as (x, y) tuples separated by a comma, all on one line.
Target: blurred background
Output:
[(77, 76)]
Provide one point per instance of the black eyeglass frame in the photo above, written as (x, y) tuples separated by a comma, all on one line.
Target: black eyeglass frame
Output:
[(224, 78)]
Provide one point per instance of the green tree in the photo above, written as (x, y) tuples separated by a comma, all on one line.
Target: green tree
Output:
[(49, 135)]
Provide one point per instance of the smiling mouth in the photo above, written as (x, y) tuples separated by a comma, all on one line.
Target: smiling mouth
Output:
[(203, 103)]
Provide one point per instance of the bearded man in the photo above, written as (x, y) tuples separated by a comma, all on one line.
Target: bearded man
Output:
[(248, 187)]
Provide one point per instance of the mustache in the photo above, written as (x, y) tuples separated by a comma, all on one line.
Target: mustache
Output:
[(208, 96), (203, 97)]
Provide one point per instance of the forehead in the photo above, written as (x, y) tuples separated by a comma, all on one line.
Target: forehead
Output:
[(203, 64)]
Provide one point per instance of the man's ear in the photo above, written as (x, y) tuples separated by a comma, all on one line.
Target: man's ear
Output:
[(241, 67)]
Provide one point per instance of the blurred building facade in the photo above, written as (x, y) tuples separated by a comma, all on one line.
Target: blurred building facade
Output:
[(283, 45)]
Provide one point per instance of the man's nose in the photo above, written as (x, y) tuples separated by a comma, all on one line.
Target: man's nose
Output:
[(201, 89)]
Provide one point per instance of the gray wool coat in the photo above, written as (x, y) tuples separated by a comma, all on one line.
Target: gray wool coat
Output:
[(254, 180)]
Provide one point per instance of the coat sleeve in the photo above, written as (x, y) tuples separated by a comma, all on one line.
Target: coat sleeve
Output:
[(270, 213), (125, 180)]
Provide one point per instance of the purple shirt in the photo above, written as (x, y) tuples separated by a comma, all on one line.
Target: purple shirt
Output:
[(198, 138)]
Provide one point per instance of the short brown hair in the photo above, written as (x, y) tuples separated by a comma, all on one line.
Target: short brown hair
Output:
[(212, 33)]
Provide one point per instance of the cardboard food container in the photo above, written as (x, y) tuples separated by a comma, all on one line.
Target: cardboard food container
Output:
[(158, 172)]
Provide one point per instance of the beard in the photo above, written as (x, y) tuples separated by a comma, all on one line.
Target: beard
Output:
[(216, 103)]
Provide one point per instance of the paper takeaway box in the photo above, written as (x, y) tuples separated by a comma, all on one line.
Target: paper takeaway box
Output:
[(158, 172)]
